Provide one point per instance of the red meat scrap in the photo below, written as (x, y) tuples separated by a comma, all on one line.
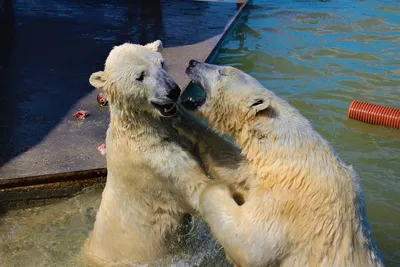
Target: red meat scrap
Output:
[(81, 114), (102, 149)]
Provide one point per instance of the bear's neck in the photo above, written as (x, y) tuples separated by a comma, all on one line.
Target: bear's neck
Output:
[(138, 125), (288, 152)]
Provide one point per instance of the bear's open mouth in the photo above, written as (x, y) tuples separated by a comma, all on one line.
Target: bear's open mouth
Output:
[(193, 104), (166, 110)]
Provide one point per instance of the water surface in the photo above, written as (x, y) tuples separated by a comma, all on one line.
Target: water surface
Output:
[(53, 235)]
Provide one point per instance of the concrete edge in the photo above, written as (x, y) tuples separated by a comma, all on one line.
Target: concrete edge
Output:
[(42, 194), (51, 178), (42, 189), (14, 191), (227, 29)]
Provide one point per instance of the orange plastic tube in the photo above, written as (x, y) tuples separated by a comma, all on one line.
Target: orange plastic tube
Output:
[(374, 114)]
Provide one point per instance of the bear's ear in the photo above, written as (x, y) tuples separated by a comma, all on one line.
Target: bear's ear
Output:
[(98, 80), (262, 111), (155, 46), (259, 104)]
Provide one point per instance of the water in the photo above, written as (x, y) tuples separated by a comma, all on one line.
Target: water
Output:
[(53, 235), (320, 56)]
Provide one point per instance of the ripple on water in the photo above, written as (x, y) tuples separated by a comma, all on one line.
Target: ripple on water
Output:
[(394, 9), (345, 54)]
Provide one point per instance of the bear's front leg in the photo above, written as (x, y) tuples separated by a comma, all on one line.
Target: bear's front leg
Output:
[(220, 158), (251, 234), (181, 171), (219, 209)]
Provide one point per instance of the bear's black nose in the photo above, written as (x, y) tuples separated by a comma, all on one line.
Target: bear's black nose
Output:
[(174, 93), (192, 63)]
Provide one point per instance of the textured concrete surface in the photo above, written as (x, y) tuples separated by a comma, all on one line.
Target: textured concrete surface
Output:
[(49, 53)]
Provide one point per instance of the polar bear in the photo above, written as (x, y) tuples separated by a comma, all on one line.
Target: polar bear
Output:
[(304, 206), (153, 179)]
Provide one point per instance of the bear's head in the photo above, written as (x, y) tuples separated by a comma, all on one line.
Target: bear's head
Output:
[(134, 80), (233, 99)]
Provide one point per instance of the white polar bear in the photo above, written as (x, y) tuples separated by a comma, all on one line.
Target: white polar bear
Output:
[(303, 206), (152, 178)]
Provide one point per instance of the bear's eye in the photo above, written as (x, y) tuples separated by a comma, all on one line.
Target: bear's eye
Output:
[(141, 77), (162, 64), (258, 102)]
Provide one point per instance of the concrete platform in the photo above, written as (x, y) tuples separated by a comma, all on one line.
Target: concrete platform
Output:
[(46, 61)]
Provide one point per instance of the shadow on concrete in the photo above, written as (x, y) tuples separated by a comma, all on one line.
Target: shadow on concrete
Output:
[(49, 48)]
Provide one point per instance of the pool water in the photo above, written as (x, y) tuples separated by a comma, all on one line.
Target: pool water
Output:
[(53, 235), (321, 55)]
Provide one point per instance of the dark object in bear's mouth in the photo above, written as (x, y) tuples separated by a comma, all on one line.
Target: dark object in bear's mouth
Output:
[(191, 104), (166, 110)]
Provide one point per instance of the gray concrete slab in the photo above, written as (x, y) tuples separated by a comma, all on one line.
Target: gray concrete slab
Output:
[(51, 51)]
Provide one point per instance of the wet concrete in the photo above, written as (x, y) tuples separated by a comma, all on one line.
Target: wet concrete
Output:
[(49, 48)]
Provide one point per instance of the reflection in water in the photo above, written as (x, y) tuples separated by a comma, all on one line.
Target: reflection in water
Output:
[(320, 57), (151, 26), (146, 17), (6, 44)]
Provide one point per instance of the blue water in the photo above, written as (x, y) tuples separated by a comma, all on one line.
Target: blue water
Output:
[(320, 56)]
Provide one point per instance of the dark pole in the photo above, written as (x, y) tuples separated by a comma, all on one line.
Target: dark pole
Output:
[(6, 29), (6, 11)]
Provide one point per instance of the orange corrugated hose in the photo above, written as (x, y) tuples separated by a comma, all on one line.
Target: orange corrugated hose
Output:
[(374, 114)]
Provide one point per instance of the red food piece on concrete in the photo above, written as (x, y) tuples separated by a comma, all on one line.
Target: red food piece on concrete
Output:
[(81, 114), (102, 149), (102, 100)]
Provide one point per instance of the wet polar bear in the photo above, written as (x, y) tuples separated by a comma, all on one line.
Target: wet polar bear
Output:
[(152, 178), (303, 206)]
